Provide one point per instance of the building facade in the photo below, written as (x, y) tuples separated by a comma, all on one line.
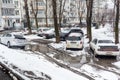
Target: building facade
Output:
[(6, 13)]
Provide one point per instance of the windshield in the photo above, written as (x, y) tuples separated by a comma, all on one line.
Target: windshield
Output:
[(105, 41), (73, 38), (19, 37), (46, 29)]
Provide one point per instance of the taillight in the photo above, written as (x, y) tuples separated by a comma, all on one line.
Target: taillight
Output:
[(80, 42)]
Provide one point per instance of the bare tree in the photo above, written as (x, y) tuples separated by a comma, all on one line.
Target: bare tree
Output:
[(34, 7), (81, 9), (89, 4), (61, 10), (27, 16), (54, 4), (117, 2), (104, 14), (46, 11)]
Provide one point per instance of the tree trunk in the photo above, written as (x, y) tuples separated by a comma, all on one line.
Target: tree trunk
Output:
[(60, 14), (89, 19), (27, 16), (35, 12), (55, 21), (36, 21), (117, 23), (46, 13)]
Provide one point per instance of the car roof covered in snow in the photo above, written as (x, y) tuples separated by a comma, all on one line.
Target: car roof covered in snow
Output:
[(75, 34)]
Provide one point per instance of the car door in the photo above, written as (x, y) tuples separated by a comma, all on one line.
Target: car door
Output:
[(8, 38), (93, 44), (3, 38)]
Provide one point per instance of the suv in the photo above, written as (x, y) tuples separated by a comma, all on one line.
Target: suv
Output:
[(74, 41)]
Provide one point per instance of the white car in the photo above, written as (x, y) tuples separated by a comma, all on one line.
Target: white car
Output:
[(104, 47), (74, 41), (46, 33), (12, 39)]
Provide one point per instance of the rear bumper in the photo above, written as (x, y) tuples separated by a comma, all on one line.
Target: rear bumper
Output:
[(18, 44), (74, 47), (107, 53)]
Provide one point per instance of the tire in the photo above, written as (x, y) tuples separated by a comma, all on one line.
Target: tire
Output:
[(8, 45), (23, 47)]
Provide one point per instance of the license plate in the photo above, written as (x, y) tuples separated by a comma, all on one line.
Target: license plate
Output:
[(109, 52), (73, 42)]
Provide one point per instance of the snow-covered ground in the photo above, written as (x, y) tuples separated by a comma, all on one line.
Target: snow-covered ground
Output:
[(97, 74), (28, 61), (25, 61)]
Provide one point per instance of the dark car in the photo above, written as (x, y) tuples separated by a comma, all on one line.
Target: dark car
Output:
[(76, 30), (64, 33)]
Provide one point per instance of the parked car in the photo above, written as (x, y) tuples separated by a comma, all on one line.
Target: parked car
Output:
[(42, 30), (50, 33), (76, 30), (64, 33), (74, 41), (12, 39), (104, 47)]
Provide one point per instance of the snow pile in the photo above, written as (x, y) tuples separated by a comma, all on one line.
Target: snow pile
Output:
[(99, 74), (117, 64)]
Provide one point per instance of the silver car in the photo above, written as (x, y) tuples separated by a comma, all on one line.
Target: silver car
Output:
[(11, 39)]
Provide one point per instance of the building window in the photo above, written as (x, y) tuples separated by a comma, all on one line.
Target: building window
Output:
[(7, 11), (17, 20), (17, 12), (16, 3), (7, 1), (40, 3), (40, 11)]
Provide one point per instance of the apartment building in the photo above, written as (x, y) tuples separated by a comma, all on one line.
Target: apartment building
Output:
[(6, 13)]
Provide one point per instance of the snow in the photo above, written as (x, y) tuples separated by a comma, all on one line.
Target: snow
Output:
[(29, 61), (99, 74), (31, 37), (117, 64), (36, 63)]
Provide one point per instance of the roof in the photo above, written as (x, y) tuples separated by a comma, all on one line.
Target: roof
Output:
[(75, 34)]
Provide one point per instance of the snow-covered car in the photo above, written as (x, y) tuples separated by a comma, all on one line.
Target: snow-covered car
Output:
[(74, 41), (12, 39), (76, 30), (41, 30), (50, 33), (104, 47)]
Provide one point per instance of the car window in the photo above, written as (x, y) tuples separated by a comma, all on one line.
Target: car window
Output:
[(46, 29), (105, 41), (3, 35), (73, 38), (94, 41), (8, 35), (19, 37)]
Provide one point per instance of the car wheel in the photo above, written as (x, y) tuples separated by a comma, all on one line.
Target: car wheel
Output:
[(8, 45), (23, 47)]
